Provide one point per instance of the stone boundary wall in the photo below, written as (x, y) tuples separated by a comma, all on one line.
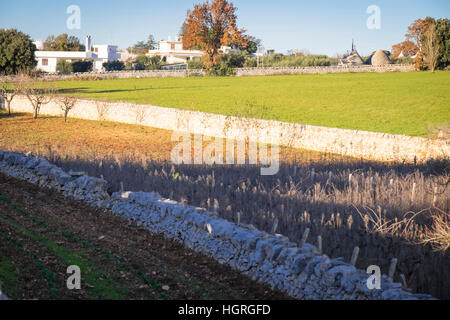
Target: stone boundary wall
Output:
[(322, 70), (238, 72), (301, 272), (354, 143)]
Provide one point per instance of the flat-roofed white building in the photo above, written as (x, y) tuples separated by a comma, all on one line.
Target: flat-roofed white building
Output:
[(172, 52), (98, 54)]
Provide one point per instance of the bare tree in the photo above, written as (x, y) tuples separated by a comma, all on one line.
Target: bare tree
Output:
[(8, 89), (102, 109), (37, 93), (66, 104), (141, 113), (431, 47)]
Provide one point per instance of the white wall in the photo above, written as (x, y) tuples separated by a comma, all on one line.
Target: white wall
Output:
[(51, 67), (359, 144)]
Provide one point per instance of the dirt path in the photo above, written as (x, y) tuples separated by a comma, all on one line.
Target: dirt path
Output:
[(42, 233)]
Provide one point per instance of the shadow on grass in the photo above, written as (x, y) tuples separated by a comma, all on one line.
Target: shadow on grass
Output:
[(4, 114), (86, 90)]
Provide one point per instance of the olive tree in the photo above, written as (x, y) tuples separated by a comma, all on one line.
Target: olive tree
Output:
[(8, 90), (37, 93)]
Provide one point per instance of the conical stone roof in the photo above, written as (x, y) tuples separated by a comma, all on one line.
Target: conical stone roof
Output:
[(379, 58)]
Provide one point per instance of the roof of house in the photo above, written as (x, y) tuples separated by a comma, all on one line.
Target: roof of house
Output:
[(352, 59)]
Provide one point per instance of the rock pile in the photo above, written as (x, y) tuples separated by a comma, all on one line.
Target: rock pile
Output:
[(301, 272)]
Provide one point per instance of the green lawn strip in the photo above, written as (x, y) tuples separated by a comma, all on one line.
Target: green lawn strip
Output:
[(103, 287), (9, 276), (392, 102), (89, 245)]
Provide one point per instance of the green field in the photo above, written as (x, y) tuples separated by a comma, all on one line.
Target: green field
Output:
[(399, 103)]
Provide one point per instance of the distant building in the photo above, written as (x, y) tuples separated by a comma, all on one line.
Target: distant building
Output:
[(98, 54), (172, 52), (352, 58), (379, 58), (228, 49)]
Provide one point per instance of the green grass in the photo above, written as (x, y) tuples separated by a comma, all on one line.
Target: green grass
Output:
[(399, 103)]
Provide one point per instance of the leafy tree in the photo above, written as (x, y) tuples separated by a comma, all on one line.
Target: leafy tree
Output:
[(251, 45), (63, 42), (114, 65), (407, 48), (142, 47), (16, 52), (416, 38), (234, 60), (443, 35), (148, 63), (211, 25), (64, 67), (196, 64), (432, 48)]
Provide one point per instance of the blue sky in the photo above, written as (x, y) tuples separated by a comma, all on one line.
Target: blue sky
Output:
[(321, 26)]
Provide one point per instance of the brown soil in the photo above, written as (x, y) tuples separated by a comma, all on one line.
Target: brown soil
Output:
[(42, 233)]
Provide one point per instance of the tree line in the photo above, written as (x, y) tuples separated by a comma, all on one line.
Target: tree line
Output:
[(208, 27), (428, 41)]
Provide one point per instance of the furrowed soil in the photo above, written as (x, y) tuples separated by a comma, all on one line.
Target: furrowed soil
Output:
[(42, 233)]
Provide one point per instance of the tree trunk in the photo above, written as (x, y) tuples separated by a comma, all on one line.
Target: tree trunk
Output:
[(36, 112), (8, 106), (66, 112)]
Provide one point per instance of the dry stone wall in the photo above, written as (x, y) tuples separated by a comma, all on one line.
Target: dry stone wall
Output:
[(301, 272), (238, 72), (359, 144), (322, 70)]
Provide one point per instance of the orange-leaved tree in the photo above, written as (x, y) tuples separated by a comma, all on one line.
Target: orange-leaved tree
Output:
[(415, 42), (407, 48), (211, 25)]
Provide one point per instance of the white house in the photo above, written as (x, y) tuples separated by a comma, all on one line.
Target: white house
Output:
[(98, 54), (172, 52)]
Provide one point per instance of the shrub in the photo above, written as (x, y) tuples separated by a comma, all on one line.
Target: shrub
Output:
[(403, 60), (279, 60), (64, 67), (148, 63), (221, 70), (233, 60), (196, 64), (82, 66), (114, 66)]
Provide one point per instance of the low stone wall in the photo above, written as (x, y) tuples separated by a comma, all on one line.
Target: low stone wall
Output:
[(124, 75), (354, 143), (238, 72), (322, 70), (303, 273)]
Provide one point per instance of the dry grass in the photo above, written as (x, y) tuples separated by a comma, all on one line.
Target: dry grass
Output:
[(388, 210), (439, 233), (84, 138)]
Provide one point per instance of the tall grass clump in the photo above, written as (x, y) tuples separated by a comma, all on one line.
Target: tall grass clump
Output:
[(387, 210)]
